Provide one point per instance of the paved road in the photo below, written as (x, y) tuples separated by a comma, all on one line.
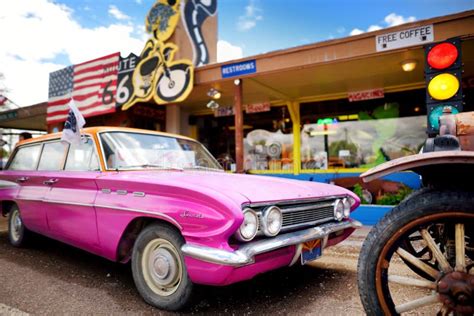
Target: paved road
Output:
[(53, 278)]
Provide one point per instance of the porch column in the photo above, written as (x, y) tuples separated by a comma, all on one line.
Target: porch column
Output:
[(173, 120), (294, 109), (239, 127)]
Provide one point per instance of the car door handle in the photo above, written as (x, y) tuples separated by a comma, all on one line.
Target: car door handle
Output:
[(50, 181), (22, 179)]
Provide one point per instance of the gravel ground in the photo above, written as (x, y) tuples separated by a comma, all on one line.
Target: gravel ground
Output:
[(53, 278)]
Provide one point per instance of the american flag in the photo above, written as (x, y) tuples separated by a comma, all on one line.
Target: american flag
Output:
[(92, 85)]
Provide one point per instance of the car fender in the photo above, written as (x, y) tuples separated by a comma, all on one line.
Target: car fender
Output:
[(420, 163)]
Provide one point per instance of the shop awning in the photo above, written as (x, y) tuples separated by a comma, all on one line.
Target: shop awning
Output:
[(28, 118)]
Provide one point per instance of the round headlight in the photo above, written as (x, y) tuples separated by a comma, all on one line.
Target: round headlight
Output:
[(249, 227), (271, 221), (338, 210), (347, 207)]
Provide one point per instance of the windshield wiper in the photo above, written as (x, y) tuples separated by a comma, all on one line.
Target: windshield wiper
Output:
[(148, 165)]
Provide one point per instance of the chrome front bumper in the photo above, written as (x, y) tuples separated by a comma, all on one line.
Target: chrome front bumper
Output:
[(246, 254)]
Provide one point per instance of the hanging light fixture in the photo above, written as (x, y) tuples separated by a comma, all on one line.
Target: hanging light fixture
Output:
[(214, 94), (408, 65)]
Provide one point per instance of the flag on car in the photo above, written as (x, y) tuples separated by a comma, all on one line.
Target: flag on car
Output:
[(3, 99), (92, 84), (74, 122)]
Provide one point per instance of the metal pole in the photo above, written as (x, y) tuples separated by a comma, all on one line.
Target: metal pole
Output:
[(239, 127)]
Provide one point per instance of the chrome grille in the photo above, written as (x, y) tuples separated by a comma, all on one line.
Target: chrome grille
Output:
[(301, 214), (306, 215)]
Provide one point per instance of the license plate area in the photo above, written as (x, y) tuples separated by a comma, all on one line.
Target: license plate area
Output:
[(311, 250)]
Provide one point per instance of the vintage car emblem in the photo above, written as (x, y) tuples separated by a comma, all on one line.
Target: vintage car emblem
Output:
[(191, 214)]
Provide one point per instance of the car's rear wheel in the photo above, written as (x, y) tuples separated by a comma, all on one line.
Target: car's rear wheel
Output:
[(158, 268), (18, 234)]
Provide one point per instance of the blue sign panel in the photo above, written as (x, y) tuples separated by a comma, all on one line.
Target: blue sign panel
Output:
[(239, 69)]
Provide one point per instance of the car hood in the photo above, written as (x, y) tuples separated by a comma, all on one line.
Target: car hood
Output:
[(254, 188)]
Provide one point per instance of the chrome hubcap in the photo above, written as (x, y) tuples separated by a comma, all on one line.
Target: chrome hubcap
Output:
[(16, 225), (162, 268)]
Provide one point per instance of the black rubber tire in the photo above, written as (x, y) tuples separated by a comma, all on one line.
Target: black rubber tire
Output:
[(419, 205), (24, 237), (183, 294)]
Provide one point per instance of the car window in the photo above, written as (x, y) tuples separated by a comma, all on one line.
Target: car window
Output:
[(52, 157), (26, 158), (82, 157)]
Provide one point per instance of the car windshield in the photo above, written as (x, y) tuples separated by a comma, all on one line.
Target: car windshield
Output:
[(127, 151)]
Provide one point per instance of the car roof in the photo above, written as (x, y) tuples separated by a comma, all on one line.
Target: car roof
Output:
[(98, 129)]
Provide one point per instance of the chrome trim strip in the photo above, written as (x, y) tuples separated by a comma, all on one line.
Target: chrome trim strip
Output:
[(122, 192), (162, 215), (26, 199), (290, 227), (139, 194), (106, 191), (68, 203), (159, 214), (4, 184), (306, 207), (300, 201), (246, 254)]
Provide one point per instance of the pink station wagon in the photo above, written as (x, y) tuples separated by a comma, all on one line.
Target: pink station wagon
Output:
[(163, 202)]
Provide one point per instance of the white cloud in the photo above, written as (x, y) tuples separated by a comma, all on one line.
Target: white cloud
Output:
[(374, 28), (392, 19), (356, 32), (341, 29), (138, 1), (41, 32), (226, 51), (249, 20), (116, 13)]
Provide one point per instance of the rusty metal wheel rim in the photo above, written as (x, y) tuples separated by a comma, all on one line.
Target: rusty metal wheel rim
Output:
[(383, 262)]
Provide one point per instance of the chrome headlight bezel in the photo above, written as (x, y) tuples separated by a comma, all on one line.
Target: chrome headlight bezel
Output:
[(347, 207), (338, 210), (265, 218), (249, 237)]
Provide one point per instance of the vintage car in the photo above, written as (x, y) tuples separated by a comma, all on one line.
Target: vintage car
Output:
[(163, 202)]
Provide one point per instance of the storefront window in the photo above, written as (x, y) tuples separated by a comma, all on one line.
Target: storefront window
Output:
[(266, 150), (342, 134), (362, 143)]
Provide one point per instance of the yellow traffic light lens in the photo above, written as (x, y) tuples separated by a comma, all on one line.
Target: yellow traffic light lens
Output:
[(443, 86)]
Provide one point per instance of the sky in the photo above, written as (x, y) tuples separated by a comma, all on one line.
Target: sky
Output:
[(41, 36)]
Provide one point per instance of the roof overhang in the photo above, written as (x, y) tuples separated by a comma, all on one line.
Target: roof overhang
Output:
[(329, 70), (28, 118)]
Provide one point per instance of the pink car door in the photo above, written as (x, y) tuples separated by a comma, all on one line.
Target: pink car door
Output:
[(72, 191), (22, 170)]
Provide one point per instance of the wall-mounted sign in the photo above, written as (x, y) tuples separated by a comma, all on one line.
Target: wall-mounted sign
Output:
[(365, 95), (239, 69), (414, 36), (224, 111), (257, 107), (8, 116), (125, 71), (158, 76)]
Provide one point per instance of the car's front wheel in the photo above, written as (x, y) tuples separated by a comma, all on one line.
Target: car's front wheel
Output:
[(18, 234), (158, 268)]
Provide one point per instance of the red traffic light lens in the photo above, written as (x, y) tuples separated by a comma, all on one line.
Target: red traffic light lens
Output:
[(442, 55)]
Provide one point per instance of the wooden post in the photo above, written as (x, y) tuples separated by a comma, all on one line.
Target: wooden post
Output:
[(239, 127)]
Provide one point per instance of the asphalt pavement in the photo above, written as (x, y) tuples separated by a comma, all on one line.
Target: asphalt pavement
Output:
[(52, 278)]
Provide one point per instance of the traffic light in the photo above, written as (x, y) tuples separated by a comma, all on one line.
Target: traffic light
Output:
[(443, 70)]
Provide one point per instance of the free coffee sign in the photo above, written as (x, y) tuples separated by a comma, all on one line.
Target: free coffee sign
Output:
[(410, 37)]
